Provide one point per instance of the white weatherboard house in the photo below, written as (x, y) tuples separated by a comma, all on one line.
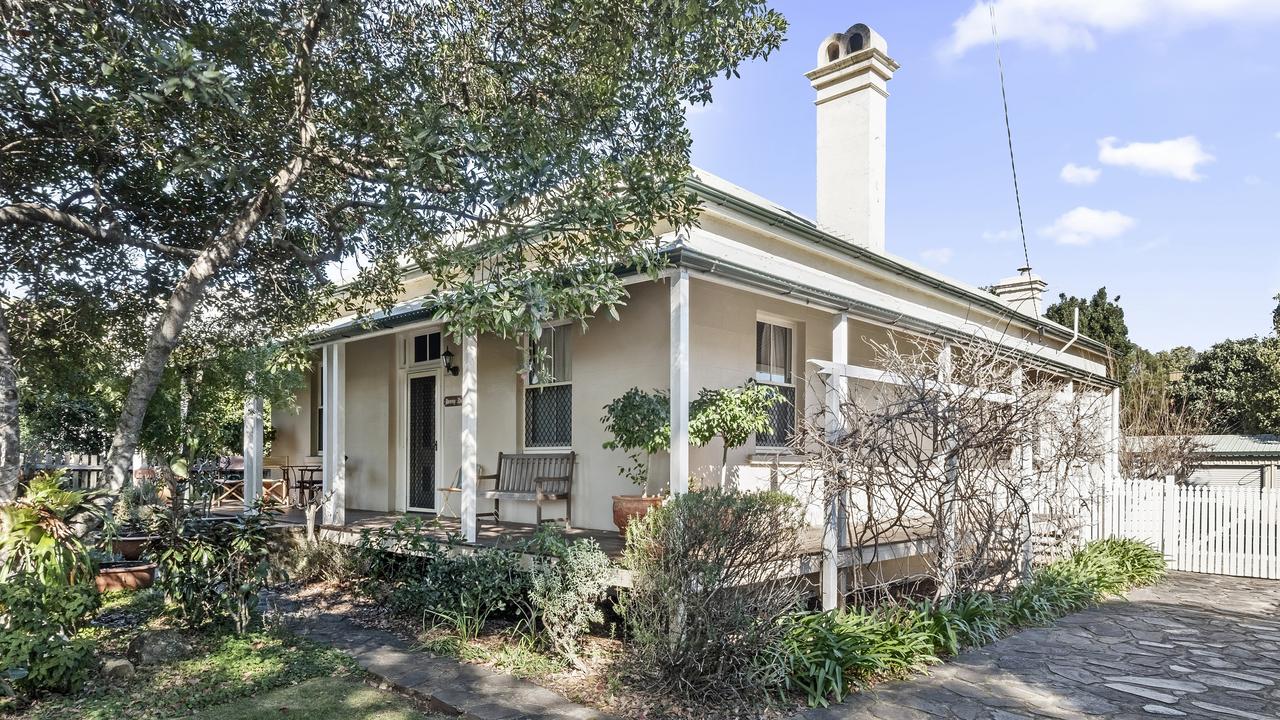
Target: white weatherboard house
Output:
[(398, 413)]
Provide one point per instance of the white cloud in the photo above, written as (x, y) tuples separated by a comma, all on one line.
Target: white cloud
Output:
[(1278, 134), (1176, 158), (1061, 25), (937, 256), (1082, 226), (1252, 180), (1000, 235), (1079, 174)]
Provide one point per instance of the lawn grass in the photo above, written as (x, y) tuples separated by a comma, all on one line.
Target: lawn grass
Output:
[(322, 699)]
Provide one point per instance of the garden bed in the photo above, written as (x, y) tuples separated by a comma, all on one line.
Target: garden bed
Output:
[(219, 667), (501, 646)]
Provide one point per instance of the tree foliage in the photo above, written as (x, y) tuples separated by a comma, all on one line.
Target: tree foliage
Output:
[(1101, 318), (212, 158), (732, 414), (640, 423), (1235, 385)]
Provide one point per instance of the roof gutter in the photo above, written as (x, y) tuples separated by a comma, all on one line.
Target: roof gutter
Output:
[(830, 242), (685, 257)]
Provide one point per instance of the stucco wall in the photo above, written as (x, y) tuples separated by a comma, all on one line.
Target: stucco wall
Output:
[(610, 357), (370, 420), (292, 426)]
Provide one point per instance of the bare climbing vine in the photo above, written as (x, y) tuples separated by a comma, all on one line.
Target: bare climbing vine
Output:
[(962, 448)]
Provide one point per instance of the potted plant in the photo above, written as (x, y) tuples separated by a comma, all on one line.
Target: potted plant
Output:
[(125, 575), (134, 520), (640, 423), (733, 415)]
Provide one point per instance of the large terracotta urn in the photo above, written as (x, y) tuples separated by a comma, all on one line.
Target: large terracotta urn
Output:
[(628, 507)]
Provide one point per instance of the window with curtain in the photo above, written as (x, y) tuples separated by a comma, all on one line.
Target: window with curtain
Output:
[(774, 353)]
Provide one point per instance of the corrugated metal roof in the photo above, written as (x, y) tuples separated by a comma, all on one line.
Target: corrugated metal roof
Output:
[(1227, 445)]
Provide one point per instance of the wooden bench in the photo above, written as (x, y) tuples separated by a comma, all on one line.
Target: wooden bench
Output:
[(532, 477)]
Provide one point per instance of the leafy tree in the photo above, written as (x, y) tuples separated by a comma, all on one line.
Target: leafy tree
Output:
[(216, 156), (1275, 316), (640, 423), (1101, 318), (732, 414), (1236, 385), (10, 430)]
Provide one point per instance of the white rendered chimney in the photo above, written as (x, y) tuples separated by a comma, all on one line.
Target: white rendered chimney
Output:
[(1023, 292), (851, 80)]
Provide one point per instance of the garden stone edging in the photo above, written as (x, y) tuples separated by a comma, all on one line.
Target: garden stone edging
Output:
[(444, 684)]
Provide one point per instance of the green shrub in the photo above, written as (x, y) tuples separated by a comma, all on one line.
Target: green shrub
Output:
[(567, 583), (46, 588), (833, 653), (304, 561), (441, 582), (213, 570), (1101, 569), (703, 612), (981, 617), (400, 552), (1121, 564)]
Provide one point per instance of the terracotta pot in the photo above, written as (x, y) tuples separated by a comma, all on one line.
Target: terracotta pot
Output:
[(125, 575), (628, 507), (130, 548)]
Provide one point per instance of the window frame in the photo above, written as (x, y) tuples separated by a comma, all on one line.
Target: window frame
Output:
[(407, 340), (528, 383), (792, 328), (317, 408)]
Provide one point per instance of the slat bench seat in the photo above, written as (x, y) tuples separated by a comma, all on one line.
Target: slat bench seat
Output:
[(532, 477)]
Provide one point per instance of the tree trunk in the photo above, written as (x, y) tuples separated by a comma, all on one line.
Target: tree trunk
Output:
[(10, 432), (168, 331), (191, 288)]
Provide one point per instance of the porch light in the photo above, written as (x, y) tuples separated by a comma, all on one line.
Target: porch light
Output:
[(447, 357)]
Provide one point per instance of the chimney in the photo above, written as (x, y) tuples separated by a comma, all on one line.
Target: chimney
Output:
[(1023, 292), (851, 80)]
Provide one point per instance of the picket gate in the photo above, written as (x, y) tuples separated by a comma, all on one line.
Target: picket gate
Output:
[(1204, 529)]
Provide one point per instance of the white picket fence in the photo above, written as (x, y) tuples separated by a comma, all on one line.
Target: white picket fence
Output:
[(1217, 530)]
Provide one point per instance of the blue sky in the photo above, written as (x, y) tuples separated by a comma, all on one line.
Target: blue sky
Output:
[(1168, 112)]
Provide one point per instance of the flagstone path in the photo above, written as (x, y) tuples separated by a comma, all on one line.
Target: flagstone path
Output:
[(1195, 646), (474, 692)]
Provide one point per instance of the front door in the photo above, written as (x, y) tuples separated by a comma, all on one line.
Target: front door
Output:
[(422, 441)]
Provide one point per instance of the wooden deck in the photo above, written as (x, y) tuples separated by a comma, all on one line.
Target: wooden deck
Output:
[(439, 527), (895, 544)]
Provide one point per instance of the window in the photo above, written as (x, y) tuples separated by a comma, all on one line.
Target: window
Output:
[(317, 408), (426, 347), (548, 396), (773, 367)]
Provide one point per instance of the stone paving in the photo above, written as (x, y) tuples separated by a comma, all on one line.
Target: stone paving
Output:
[(472, 691), (1196, 646)]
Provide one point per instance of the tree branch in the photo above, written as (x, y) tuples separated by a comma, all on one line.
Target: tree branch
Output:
[(31, 215)]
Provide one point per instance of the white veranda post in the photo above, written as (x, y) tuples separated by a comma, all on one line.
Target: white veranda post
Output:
[(469, 408), (1024, 458), (835, 390), (679, 479), (252, 449), (334, 458)]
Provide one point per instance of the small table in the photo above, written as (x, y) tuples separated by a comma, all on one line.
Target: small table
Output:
[(305, 482)]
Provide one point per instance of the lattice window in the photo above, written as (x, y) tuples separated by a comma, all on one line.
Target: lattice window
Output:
[(548, 399), (783, 416)]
